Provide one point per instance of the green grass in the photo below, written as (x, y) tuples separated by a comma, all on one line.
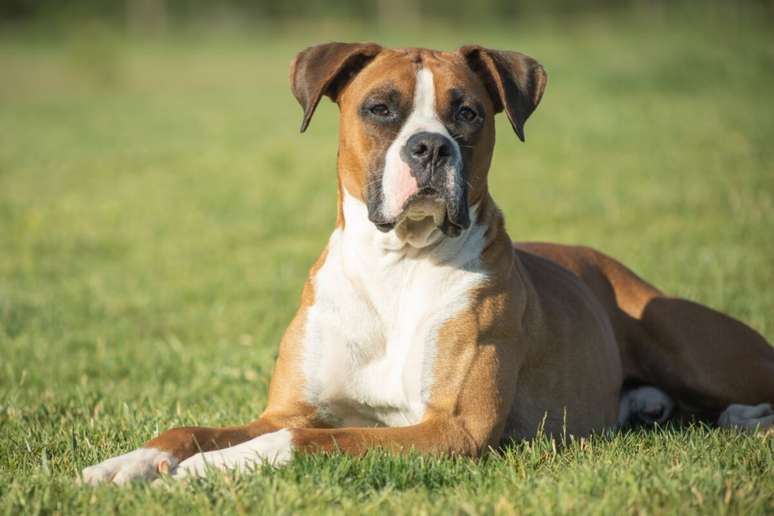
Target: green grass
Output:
[(159, 211)]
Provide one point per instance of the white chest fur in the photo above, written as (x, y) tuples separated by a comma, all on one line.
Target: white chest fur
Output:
[(370, 335)]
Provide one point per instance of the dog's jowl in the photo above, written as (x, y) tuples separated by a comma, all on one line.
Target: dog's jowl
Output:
[(423, 326)]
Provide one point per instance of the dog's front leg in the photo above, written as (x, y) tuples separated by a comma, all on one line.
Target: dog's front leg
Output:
[(445, 436), (163, 453), (468, 409)]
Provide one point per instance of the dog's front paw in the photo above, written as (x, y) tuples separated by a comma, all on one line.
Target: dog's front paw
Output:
[(197, 466), (274, 448), (141, 464), (219, 460)]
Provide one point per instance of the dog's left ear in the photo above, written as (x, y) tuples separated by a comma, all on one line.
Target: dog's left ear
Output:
[(325, 70), (515, 81)]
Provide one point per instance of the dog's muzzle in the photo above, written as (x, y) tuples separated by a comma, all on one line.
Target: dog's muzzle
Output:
[(434, 162)]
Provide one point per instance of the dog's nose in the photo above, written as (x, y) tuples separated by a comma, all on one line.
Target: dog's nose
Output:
[(425, 152)]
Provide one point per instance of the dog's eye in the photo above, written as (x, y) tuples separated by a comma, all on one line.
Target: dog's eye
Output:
[(380, 110), (466, 114)]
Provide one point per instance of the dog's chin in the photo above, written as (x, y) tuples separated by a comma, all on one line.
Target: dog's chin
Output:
[(425, 219)]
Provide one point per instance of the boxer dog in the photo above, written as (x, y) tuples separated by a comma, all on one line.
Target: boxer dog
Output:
[(423, 326)]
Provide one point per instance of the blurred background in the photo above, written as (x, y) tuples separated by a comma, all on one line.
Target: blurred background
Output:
[(158, 205), (152, 15), (159, 212)]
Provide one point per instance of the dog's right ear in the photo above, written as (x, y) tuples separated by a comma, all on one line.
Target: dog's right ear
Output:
[(325, 70), (515, 81)]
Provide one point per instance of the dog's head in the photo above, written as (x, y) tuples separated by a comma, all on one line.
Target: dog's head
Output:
[(417, 126)]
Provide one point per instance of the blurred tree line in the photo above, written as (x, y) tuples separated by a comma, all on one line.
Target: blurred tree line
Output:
[(155, 14)]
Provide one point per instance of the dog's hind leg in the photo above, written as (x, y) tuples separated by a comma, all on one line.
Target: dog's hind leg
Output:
[(705, 361)]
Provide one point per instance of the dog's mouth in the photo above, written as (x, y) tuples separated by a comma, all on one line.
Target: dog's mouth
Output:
[(429, 206)]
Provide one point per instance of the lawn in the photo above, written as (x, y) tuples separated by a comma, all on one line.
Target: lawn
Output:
[(159, 212)]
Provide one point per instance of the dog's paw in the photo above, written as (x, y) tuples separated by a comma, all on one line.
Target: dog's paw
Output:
[(141, 464), (747, 417), (197, 466), (274, 448), (645, 406), (219, 460)]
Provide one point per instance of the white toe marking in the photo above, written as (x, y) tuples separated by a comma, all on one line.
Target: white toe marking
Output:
[(275, 448), (747, 417), (140, 464)]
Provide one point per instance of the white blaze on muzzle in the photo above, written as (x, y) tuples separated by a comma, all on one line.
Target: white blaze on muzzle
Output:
[(398, 184)]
